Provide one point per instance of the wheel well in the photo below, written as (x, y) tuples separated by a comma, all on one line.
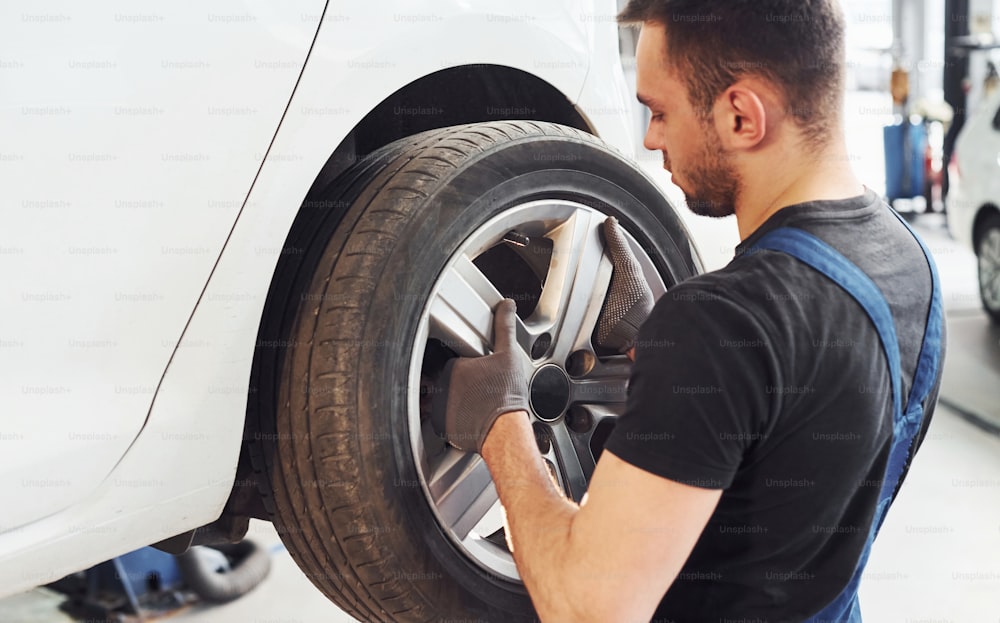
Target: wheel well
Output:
[(453, 96), (981, 216)]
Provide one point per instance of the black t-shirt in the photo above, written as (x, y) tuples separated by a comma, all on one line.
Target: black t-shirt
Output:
[(767, 380)]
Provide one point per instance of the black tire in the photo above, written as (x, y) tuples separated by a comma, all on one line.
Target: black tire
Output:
[(989, 280), (337, 456)]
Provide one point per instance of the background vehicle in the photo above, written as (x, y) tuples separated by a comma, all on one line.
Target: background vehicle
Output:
[(974, 196), (241, 239)]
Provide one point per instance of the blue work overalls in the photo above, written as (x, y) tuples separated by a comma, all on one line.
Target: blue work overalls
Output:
[(908, 416)]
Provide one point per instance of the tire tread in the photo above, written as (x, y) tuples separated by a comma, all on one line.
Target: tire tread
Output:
[(328, 528)]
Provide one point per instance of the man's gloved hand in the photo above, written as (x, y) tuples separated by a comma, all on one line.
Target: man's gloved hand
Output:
[(478, 390), (629, 299)]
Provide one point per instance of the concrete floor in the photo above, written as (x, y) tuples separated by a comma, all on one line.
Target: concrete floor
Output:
[(938, 556), (937, 559)]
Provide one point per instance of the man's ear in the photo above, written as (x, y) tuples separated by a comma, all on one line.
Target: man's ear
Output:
[(741, 117)]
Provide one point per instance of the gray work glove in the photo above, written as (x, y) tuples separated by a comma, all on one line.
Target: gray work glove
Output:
[(629, 299), (481, 389)]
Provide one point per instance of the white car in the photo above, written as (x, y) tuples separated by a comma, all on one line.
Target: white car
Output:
[(974, 196), (240, 241)]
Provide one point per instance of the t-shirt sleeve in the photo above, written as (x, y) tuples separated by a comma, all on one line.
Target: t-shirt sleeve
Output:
[(701, 392)]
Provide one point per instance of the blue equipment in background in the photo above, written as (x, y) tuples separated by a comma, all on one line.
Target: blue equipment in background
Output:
[(149, 582), (905, 144)]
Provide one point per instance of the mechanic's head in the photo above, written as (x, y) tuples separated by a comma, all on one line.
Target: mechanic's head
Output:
[(725, 80)]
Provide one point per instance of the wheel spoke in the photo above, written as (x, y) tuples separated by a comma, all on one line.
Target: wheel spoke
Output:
[(462, 311), (463, 491), (607, 384), (990, 248), (573, 460), (603, 412), (991, 289), (988, 266), (577, 282), (989, 269), (575, 274)]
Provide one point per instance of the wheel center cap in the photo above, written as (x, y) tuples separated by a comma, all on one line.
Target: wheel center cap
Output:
[(549, 393)]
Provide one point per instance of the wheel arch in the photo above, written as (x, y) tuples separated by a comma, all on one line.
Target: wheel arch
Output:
[(451, 96), (342, 471)]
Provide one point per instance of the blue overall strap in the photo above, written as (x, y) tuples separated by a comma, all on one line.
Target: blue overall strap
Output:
[(825, 259), (812, 251), (930, 356)]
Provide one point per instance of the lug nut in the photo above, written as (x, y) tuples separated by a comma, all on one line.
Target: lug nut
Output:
[(580, 363), (541, 346), (542, 437), (579, 420)]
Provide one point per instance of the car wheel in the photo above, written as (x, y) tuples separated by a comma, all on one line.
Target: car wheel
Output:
[(419, 243), (988, 253)]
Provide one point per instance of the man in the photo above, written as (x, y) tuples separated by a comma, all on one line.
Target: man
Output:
[(744, 478)]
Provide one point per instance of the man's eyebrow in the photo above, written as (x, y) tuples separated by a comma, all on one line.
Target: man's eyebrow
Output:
[(645, 100)]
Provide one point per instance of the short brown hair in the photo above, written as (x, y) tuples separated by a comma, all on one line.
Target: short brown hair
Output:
[(797, 45)]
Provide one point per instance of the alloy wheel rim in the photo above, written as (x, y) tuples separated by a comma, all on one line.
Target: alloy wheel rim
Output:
[(555, 336), (989, 268)]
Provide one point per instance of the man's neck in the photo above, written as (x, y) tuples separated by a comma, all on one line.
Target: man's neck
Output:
[(799, 176)]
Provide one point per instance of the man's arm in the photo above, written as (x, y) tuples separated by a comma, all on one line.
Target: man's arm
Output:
[(611, 559)]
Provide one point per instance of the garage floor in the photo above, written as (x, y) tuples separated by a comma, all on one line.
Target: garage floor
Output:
[(935, 561), (937, 557)]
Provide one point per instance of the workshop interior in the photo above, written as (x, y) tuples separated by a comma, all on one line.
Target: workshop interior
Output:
[(222, 208)]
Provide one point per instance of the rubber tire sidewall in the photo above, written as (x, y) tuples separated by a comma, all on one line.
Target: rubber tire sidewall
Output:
[(396, 516)]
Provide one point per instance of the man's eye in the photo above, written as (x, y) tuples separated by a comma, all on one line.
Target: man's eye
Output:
[(656, 117)]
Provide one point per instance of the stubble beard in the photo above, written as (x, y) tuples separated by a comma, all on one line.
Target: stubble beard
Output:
[(713, 180)]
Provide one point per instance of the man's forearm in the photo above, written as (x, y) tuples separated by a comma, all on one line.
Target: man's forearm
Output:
[(539, 517)]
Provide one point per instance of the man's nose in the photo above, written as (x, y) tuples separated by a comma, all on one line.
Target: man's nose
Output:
[(651, 140)]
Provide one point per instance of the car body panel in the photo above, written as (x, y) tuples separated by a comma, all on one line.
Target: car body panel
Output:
[(180, 467), (976, 184), (606, 100), (131, 139)]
